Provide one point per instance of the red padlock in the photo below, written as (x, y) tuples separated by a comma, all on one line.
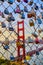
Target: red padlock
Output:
[(37, 40), (18, 0), (29, 15)]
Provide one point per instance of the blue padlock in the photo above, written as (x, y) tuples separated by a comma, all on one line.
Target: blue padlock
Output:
[(6, 11), (12, 58), (10, 1), (30, 40), (6, 47), (22, 15), (39, 20)]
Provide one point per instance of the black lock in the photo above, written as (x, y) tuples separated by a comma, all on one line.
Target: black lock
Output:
[(2, 0), (11, 29)]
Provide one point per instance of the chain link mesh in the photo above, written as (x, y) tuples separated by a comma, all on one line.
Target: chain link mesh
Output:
[(33, 25)]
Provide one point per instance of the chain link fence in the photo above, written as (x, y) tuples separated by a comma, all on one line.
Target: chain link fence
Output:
[(31, 11)]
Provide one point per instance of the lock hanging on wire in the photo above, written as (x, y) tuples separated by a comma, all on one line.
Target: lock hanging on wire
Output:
[(31, 22), (12, 58), (26, 1), (39, 20), (18, 0), (10, 18), (25, 9), (6, 44), (10, 1), (6, 11), (35, 6), (22, 15), (2, 0), (17, 10), (30, 3)]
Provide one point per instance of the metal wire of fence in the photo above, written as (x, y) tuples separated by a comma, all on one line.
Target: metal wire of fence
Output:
[(10, 13)]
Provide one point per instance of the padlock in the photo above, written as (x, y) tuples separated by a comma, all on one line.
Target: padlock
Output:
[(39, 20), (2, 14), (33, 14), (41, 0), (18, 0), (31, 22), (6, 11), (11, 29), (41, 6), (35, 35), (30, 3), (29, 15), (28, 57), (26, 1), (37, 40), (30, 40), (3, 25), (12, 18), (17, 10), (17, 43), (6, 47), (2, 0), (26, 63), (25, 9), (37, 52), (12, 58), (36, 7), (9, 19), (22, 15), (10, 1), (39, 30)]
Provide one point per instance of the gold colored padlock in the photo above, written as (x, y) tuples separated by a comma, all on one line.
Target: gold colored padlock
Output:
[(31, 23)]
